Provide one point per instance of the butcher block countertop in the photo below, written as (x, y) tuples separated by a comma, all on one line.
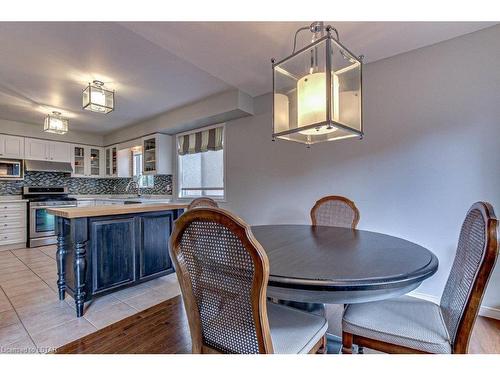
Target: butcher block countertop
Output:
[(119, 209)]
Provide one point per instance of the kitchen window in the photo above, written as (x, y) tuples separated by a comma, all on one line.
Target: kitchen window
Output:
[(200, 163)]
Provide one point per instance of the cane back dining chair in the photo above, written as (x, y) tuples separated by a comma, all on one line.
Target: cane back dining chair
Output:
[(223, 273), (202, 202), (412, 325), (336, 211)]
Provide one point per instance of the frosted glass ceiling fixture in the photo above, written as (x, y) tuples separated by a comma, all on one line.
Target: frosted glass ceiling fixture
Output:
[(54, 123), (317, 90), (97, 99)]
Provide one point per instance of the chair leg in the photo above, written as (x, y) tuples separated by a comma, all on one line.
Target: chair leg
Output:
[(346, 343), (323, 348)]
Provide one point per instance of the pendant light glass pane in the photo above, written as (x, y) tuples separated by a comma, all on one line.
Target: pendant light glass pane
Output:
[(347, 69)]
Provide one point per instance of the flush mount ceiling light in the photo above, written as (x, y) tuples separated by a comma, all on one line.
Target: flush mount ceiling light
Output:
[(317, 90), (97, 99), (54, 123)]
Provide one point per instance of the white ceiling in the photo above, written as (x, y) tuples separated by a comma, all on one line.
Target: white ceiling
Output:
[(46, 66), (155, 67), (240, 52)]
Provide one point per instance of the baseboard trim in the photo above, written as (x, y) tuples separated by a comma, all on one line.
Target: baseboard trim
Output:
[(489, 312)]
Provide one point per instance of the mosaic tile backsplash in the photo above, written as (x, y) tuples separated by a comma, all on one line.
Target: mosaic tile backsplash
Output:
[(85, 186)]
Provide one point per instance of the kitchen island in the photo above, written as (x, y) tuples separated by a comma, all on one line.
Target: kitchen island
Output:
[(106, 248)]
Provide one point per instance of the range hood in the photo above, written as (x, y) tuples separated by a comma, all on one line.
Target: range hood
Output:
[(47, 166)]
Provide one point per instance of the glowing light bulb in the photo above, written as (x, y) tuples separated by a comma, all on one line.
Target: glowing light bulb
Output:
[(311, 103)]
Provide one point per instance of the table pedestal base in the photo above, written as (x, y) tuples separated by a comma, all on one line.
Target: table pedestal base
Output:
[(333, 344)]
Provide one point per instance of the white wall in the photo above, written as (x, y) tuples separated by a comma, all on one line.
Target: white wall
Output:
[(432, 122)]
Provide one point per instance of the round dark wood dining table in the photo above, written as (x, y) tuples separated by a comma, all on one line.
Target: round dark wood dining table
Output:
[(335, 265)]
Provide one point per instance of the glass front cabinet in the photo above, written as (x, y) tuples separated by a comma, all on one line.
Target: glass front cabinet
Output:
[(111, 168), (87, 161), (157, 154), (79, 159)]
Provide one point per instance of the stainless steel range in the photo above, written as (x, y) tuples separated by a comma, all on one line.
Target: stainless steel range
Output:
[(41, 224)]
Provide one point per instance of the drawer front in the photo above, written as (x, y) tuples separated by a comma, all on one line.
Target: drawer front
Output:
[(12, 236), (12, 222), (6, 216), (18, 206)]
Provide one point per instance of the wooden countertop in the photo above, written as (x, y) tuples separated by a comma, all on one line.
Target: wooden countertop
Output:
[(118, 209)]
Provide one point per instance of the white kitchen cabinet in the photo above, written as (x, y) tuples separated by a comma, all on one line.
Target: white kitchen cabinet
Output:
[(11, 147), (87, 161), (96, 161), (111, 161), (59, 151), (35, 149), (124, 163), (157, 154), (39, 149), (12, 225)]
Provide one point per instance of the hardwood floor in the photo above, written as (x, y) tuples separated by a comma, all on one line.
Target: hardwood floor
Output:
[(164, 329)]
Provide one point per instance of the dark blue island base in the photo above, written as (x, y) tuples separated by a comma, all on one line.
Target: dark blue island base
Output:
[(97, 255)]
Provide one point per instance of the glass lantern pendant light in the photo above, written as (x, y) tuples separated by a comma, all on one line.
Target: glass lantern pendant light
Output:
[(317, 90), (54, 123), (97, 99)]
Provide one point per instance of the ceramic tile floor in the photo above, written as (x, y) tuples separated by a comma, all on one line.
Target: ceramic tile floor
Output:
[(33, 320)]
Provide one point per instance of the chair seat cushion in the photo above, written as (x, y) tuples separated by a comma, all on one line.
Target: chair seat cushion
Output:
[(294, 331), (405, 321)]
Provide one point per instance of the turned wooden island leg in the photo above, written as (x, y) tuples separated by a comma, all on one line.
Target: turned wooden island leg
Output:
[(60, 256), (80, 263)]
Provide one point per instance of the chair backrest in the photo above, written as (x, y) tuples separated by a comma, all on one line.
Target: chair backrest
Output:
[(223, 273), (474, 261), (202, 202), (335, 211)]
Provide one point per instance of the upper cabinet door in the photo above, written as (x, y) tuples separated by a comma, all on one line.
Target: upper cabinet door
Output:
[(36, 149), (111, 162), (95, 162), (87, 161), (11, 147), (124, 163), (149, 155), (59, 151), (157, 154), (78, 156)]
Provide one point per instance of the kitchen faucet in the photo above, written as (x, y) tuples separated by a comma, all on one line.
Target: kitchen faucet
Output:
[(136, 185)]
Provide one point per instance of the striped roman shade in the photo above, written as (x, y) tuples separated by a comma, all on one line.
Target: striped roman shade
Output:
[(206, 140)]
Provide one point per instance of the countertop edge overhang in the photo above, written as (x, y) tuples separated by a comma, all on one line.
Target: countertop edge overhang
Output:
[(119, 209), (365, 284)]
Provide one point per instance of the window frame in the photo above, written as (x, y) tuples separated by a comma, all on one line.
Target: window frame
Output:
[(177, 185)]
